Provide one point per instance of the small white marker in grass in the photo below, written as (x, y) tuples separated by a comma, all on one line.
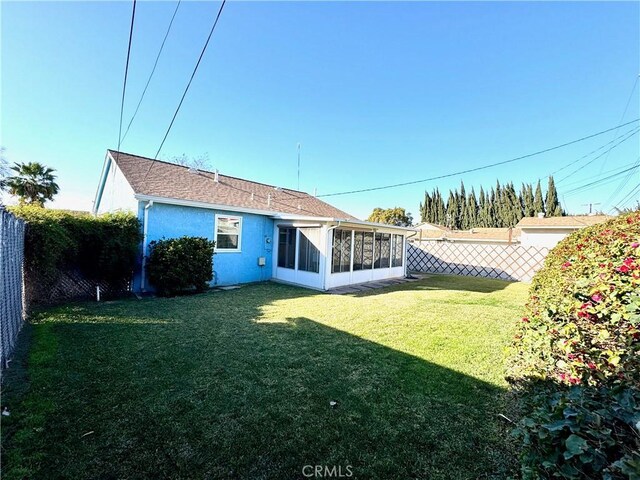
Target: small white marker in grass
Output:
[(333, 404), (6, 412)]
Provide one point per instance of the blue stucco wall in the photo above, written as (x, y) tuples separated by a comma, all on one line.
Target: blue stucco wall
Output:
[(171, 221)]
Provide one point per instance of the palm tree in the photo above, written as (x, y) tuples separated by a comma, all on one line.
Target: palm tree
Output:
[(33, 183)]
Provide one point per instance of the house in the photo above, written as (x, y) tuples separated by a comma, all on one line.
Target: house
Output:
[(546, 232), (429, 231), (261, 232)]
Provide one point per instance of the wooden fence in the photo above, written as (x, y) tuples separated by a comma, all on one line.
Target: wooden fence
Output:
[(492, 260)]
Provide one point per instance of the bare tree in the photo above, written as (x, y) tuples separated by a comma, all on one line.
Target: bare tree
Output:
[(201, 162)]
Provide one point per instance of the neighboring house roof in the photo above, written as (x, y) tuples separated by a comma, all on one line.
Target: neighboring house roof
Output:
[(577, 221), (431, 226), (475, 234), (156, 178)]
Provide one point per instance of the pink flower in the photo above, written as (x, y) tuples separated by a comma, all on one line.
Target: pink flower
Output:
[(597, 297), (623, 269), (628, 261), (574, 380), (566, 265), (525, 319), (591, 365), (635, 245)]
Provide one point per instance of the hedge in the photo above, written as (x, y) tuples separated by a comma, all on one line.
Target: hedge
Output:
[(178, 264), (576, 357), (102, 248)]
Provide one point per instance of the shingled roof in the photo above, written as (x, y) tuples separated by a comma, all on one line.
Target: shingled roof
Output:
[(162, 179), (568, 221)]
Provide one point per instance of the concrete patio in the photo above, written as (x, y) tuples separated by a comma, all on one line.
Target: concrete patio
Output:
[(368, 286)]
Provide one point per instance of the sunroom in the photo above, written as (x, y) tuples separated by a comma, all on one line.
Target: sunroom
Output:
[(332, 254)]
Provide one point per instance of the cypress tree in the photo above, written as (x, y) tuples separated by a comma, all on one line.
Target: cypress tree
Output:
[(453, 211), (527, 200), (472, 210), (441, 210), (552, 204), (483, 210), (538, 202)]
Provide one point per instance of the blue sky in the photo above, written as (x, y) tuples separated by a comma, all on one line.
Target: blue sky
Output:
[(376, 92)]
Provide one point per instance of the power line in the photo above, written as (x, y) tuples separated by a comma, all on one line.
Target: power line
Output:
[(601, 180), (621, 186), (593, 177), (592, 152), (627, 198), (193, 74), (626, 107), (477, 168), (126, 72), (629, 136), (152, 72)]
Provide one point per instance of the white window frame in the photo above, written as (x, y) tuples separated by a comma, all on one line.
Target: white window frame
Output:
[(215, 234)]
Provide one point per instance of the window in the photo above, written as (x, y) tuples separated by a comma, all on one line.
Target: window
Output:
[(382, 249), (228, 232), (362, 250), (341, 255), (309, 259), (287, 247), (398, 250)]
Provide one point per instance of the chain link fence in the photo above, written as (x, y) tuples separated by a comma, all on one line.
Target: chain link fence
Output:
[(12, 300)]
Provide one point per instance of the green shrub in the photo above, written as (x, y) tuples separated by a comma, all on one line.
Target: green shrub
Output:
[(102, 248), (179, 264), (582, 328)]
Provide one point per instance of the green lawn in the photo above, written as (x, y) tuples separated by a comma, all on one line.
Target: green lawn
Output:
[(237, 384)]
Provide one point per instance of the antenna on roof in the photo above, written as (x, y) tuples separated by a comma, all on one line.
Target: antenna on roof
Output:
[(298, 166), (215, 176)]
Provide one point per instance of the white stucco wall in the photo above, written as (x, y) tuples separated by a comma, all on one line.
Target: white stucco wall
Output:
[(543, 237), (117, 193)]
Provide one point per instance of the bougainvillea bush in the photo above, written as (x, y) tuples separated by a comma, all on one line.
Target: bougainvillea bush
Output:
[(576, 357)]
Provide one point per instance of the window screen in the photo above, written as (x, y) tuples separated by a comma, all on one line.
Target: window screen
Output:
[(309, 255)]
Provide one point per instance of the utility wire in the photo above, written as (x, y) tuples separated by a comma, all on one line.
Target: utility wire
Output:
[(626, 107), (592, 152), (152, 71), (613, 170), (621, 186), (126, 72), (478, 168), (193, 74), (629, 136), (627, 198), (586, 186)]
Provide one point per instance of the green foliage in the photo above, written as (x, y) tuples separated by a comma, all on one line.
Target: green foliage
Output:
[(178, 264), (582, 328), (501, 207), (33, 183), (582, 432), (391, 216), (103, 248)]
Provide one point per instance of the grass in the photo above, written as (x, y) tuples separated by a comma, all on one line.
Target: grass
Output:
[(237, 384)]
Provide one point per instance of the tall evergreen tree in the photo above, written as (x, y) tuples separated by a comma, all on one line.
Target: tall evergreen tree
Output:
[(472, 210), (453, 211), (527, 200), (538, 202), (440, 209), (553, 206)]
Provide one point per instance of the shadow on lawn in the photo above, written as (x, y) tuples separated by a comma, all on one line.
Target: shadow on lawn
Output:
[(217, 389), (438, 281)]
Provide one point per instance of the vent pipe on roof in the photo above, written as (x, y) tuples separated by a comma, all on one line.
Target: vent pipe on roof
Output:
[(269, 200), (215, 176), (252, 196)]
